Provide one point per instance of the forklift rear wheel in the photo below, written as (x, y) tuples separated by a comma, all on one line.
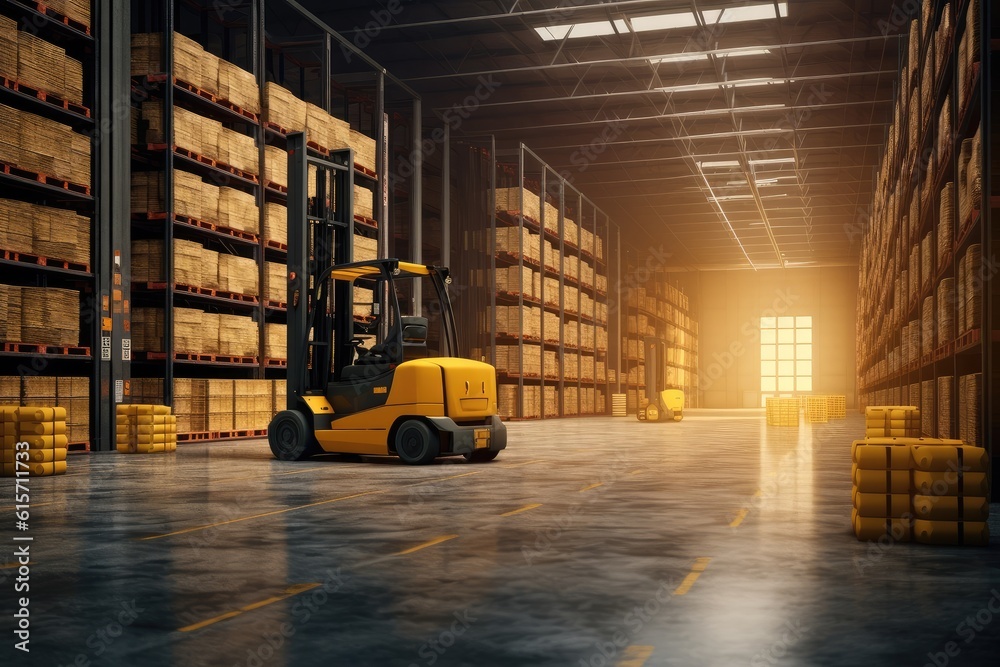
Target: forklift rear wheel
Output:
[(652, 413), (416, 443), (481, 455), (291, 437)]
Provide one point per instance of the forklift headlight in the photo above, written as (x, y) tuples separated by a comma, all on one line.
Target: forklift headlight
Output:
[(447, 281)]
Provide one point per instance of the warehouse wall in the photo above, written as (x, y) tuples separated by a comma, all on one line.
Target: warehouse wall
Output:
[(729, 305)]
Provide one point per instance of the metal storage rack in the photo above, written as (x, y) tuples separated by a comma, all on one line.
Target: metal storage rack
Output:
[(90, 45), (315, 69), (669, 321), (944, 100)]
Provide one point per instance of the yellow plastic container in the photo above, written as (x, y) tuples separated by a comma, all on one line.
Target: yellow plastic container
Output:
[(35, 469), (882, 505), (950, 483), (870, 529), (950, 456), (36, 414), (971, 533), (951, 508), (882, 457), (882, 481)]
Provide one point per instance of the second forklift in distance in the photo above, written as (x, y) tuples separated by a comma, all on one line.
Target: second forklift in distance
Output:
[(406, 395), (662, 404)]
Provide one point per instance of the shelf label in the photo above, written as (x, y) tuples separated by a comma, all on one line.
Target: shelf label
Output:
[(119, 391), (105, 348), (126, 349)]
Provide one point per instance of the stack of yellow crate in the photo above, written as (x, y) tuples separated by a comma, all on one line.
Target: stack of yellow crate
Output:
[(145, 429), (880, 492), (897, 421), (836, 407), (816, 410), (782, 411), (933, 491), (34, 441)]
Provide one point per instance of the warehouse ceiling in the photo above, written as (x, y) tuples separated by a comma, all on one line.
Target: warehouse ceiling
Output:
[(734, 134)]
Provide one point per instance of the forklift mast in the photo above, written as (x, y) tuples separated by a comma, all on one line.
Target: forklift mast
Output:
[(320, 235)]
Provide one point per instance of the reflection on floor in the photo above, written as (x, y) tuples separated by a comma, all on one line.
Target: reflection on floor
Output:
[(713, 541)]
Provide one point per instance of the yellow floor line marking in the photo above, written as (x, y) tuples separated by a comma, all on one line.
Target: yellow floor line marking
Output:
[(298, 507), (258, 516), (526, 508), (287, 593), (298, 472), (591, 486), (699, 567), (429, 543), (14, 566), (635, 656), (742, 514), (525, 463), (32, 506)]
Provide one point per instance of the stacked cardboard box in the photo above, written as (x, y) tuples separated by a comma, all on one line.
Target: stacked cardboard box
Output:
[(8, 47), (528, 407), (238, 275), (41, 230), (364, 149), (513, 239), (238, 336), (517, 321), (365, 248), (40, 64), (519, 360), (275, 167), (40, 315), (283, 109), (275, 282), (34, 441), (239, 87), (191, 405), (945, 386), (275, 223), (969, 401), (221, 405), (44, 147), (275, 340), (509, 199), (145, 429)]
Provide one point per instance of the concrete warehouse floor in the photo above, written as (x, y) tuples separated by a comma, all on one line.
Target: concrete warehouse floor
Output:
[(716, 541)]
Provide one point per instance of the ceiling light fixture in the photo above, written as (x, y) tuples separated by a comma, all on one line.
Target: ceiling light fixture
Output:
[(719, 164), (776, 160), (759, 11)]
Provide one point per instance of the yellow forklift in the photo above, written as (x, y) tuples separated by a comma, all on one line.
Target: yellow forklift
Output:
[(406, 394), (661, 404)]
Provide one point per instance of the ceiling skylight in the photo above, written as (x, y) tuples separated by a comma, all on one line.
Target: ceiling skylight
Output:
[(758, 11), (688, 57), (594, 29)]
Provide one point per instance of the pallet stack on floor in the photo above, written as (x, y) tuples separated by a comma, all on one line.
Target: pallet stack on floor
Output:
[(34, 441), (211, 408), (931, 491), (145, 429), (901, 421), (816, 411)]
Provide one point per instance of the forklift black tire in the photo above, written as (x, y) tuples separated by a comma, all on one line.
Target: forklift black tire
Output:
[(416, 443), (481, 455), (290, 436)]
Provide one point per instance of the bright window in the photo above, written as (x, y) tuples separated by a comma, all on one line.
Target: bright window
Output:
[(786, 355)]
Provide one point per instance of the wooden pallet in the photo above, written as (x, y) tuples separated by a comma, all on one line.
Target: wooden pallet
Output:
[(52, 14), (78, 447), (203, 358), (215, 99), (40, 260), (50, 98), (275, 363), (275, 305), (40, 348), (278, 189), (205, 160), (14, 170), (367, 172), (370, 222), (202, 224), (275, 245), (203, 291)]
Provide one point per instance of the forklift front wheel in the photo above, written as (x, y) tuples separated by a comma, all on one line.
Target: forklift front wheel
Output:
[(416, 443), (652, 413), (290, 436)]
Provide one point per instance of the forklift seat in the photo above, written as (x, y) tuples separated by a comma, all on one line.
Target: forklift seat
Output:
[(414, 337)]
